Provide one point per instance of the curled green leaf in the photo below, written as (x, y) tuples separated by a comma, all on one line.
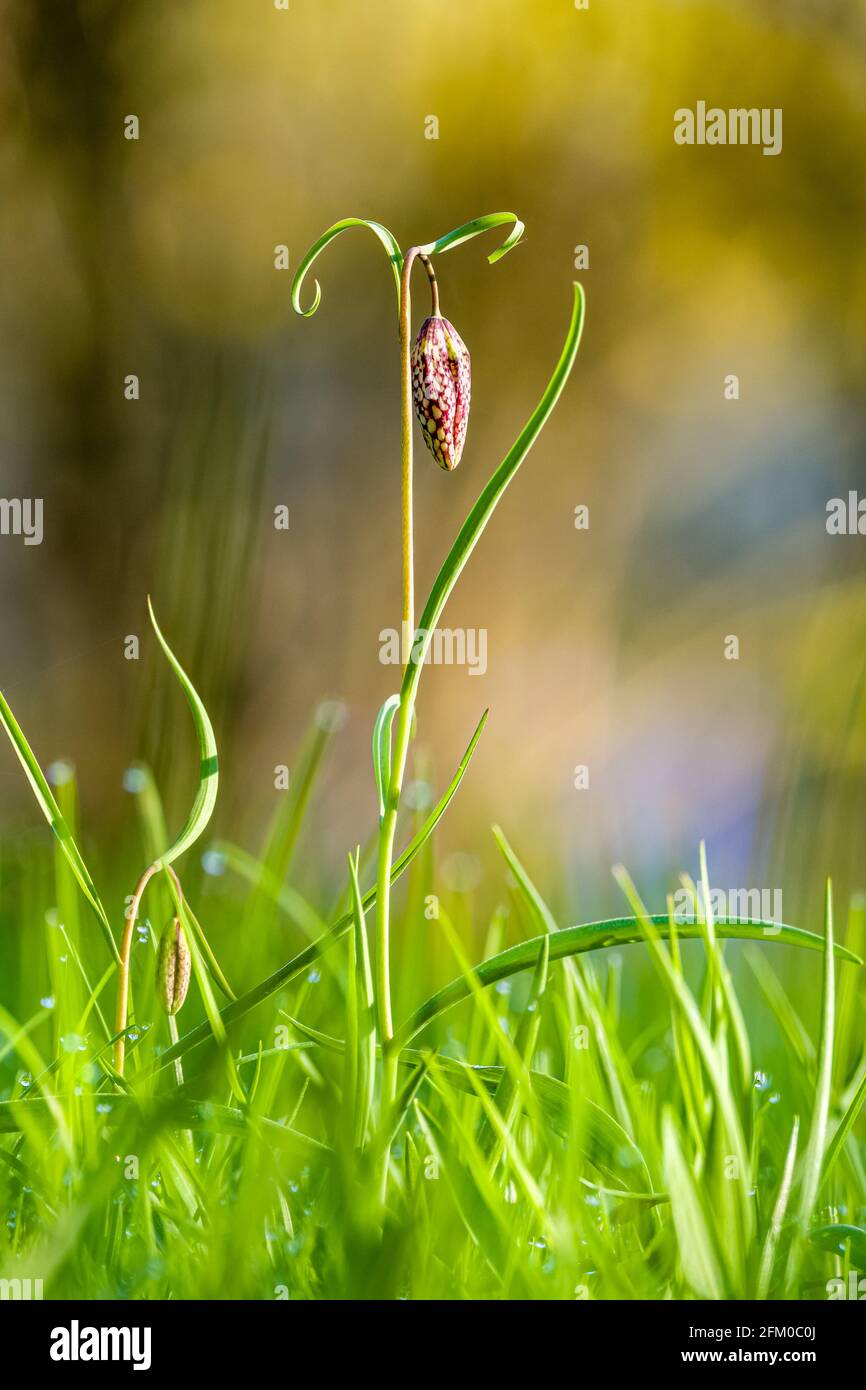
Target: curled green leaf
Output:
[(382, 749), (475, 228), (388, 240)]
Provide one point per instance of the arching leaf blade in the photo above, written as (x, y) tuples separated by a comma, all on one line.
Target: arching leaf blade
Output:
[(206, 795), (52, 813), (614, 931)]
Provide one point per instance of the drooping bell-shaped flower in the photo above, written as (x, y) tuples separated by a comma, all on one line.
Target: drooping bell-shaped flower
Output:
[(441, 388)]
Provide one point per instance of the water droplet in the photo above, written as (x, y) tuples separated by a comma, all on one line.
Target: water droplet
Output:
[(60, 773), (213, 863), (134, 780)]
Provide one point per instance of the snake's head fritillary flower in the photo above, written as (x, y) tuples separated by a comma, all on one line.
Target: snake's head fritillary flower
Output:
[(441, 388), (173, 963)]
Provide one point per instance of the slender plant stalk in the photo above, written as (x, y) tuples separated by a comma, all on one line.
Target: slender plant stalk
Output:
[(122, 1004), (408, 627), (388, 827)]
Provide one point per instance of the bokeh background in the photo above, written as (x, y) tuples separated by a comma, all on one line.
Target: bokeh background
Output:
[(259, 127)]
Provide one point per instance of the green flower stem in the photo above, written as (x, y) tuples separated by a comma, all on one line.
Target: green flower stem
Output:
[(388, 826), (122, 1004)]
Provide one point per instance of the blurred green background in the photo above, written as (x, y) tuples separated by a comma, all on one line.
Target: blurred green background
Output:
[(260, 127)]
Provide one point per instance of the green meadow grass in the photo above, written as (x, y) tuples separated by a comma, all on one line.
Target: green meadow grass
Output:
[(549, 1143), (514, 1122)]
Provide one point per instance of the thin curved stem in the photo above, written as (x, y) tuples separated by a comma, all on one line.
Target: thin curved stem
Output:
[(434, 284), (122, 1005), (388, 826)]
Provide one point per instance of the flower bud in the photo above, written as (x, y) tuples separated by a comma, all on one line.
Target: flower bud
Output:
[(441, 387), (172, 967)]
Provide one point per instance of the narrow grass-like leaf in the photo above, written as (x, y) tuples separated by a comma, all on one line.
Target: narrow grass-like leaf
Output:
[(473, 229), (205, 798), (382, 749), (777, 1220), (698, 1254), (810, 1178), (361, 1016), (51, 812), (470, 532), (846, 1124), (617, 1072)]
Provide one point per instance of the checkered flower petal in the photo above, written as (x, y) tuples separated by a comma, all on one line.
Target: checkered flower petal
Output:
[(441, 388)]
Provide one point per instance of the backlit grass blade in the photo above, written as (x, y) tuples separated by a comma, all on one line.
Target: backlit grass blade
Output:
[(392, 250), (311, 953), (777, 1220), (846, 1124), (51, 812), (810, 1178), (614, 1064), (613, 931), (507, 1097), (205, 798), (698, 1255), (361, 1016), (736, 1218)]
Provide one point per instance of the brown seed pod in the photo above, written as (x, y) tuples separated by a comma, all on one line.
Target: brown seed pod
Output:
[(441, 389), (173, 964)]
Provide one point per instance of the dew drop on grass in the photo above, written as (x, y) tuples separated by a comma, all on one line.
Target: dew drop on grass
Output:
[(48, 1001), (60, 772), (25, 1080), (103, 1108), (71, 1042), (314, 977), (213, 863), (503, 987), (762, 1081), (134, 780)]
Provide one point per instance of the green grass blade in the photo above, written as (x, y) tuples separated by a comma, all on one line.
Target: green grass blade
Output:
[(843, 1129), (205, 798), (810, 1179), (699, 1258), (361, 1016), (51, 812), (777, 1220)]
